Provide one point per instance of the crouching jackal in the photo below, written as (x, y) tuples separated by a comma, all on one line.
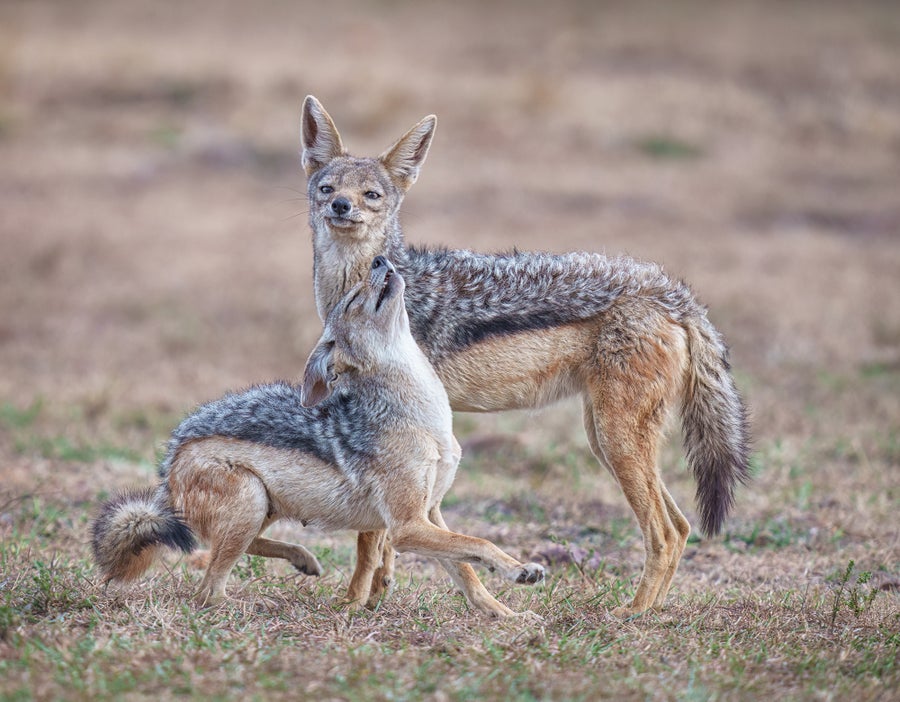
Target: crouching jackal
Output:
[(366, 443)]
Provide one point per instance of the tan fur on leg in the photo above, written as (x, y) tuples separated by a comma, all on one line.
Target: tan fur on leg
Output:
[(368, 559), (295, 554), (228, 504), (427, 539), (628, 406), (467, 580), (383, 577)]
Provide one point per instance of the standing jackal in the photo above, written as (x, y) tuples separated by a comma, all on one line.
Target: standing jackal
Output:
[(365, 444), (525, 329)]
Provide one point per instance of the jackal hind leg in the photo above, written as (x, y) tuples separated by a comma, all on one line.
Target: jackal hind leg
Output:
[(634, 469), (626, 405), (230, 505), (683, 527)]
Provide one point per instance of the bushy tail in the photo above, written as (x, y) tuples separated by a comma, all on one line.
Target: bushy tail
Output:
[(131, 528), (714, 423)]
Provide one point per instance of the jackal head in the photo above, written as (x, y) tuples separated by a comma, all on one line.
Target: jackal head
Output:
[(354, 199), (365, 332)]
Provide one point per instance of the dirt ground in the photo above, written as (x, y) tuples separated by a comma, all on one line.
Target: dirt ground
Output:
[(154, 250)]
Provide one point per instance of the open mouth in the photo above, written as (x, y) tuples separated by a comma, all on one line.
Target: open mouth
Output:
[(385, 289)]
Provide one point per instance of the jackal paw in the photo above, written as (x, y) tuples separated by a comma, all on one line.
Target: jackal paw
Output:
[(492, 607), (307, 564), (204, 598), (529, 574), (347, 604), (626, 612), (381, 589)]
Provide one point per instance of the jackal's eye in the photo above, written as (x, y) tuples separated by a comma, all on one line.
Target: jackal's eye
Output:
[(326, 189), (372, 195)]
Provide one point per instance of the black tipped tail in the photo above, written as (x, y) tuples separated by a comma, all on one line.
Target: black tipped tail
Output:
[(130, 529), (715, 427)]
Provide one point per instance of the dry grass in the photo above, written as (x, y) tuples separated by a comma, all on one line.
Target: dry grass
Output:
[(155, 253)]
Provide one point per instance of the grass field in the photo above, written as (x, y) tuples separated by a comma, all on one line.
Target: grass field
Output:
[(155, 253)]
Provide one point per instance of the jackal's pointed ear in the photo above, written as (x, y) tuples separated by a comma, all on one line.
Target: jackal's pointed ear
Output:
[(404, 158), (318, 376), (321, 141)]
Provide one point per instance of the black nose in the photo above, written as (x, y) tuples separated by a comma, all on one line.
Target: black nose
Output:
[(378, 262), (340, 206)]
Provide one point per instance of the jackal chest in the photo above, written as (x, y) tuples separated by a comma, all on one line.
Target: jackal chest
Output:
[(338, 267)]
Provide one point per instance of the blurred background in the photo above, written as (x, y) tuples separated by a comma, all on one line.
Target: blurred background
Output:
[(154, 249)]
